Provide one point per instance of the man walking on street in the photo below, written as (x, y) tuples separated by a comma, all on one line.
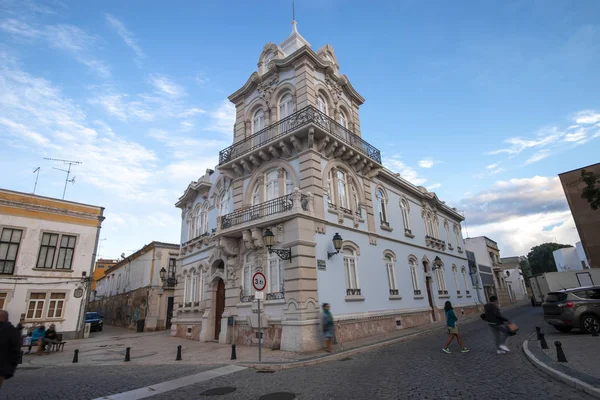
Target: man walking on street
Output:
[(10, 348), (496, 320)]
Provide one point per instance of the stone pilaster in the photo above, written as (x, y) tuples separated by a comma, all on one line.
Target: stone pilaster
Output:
[(305, 88), (311, 180), (369, 204), (239, 129), (238, 194)]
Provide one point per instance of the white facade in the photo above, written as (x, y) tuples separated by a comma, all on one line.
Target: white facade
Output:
[(487, 255), (515, 283), (47, 250), (570, 258), (300, 169)]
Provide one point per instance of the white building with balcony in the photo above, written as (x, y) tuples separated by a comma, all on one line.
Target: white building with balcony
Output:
[(47, 253), (300, 170)]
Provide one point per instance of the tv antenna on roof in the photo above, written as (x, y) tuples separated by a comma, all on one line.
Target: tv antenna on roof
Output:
[(68, 171), (37, 170)]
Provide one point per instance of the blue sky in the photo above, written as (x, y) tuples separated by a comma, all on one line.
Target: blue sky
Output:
[(482, 102)]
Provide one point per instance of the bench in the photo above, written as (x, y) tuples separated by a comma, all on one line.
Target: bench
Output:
[(60, 345)]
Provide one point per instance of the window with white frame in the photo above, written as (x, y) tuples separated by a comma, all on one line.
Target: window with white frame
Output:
[(439, 273), (431, 225), (342, 190), (186, 288), (271, 185), (454, 273), (381, 205), (463, 271), (275, 278), (413, 263), (65, 252), (390, 263), (256, 195), (190, 226), (447, 228), (35, 308), (286, 106), (224, 203), (351, 271), (404, 208), (247, 272), (343, 120), (275, 183), (201, 222), (322, 105), (457, 235), (258, 121), (10, 239), (194, 289), (56, 305)]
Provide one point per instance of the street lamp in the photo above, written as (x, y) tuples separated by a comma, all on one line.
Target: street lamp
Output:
[(269, 239), (337, 245), (437, 262), (171, 281)]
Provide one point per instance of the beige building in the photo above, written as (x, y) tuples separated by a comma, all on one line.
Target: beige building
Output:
[(345, 230), (47, 252), (487, 255), (587, 220), (134, 294)]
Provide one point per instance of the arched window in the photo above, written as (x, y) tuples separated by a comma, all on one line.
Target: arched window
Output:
[(191, 227), (186, 289), (381, 205), (275, 182), (202, 220), (224, 203), (289, 182), (194, 287), (322, 105), (275, 277), (390, 264), (286, 106), (342, 188), (405, 218), (439, 272), (271, 185), (258, 121), (447, 228), (351, 272), (463, 271), (342, 191), (457, 235), (454, 272), (256, 195), (343, 120), (412, 263)]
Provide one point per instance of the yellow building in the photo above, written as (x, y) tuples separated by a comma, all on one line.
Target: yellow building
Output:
[(101, 266)]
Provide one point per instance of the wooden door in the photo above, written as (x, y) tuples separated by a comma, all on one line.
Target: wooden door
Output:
[(219, 307), (430, 297), (169, 316)]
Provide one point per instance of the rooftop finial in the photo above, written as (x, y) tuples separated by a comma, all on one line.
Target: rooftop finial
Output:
[(293, 11)]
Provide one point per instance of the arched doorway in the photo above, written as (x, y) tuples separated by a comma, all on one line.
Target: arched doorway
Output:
[(219, 306), (428, 284)]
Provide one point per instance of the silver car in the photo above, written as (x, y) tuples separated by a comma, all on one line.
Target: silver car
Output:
[(574, 308)]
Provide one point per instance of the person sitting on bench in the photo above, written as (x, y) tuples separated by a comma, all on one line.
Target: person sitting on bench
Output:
[(36, 335), (50, 337)]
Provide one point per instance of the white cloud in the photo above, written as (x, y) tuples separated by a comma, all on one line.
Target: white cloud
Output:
[(587, 117), (434, 186), (223, 119), (518, 144), (518, 212), (576, 136), (201, 79), (427, 163), (166, 86), (127, 36), (540, 155), (395, 164)]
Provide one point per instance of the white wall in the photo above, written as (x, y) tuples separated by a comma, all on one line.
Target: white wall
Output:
[(514, 279), (581, 255), (567, 259), (33, 280)]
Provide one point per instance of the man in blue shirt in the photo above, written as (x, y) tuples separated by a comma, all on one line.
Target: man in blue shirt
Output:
[(36, 336)]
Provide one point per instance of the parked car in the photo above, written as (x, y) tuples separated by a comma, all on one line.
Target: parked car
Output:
[(574, 308), (95, 319)]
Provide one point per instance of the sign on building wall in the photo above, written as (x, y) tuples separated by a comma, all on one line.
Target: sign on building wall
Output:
[(321, 265)]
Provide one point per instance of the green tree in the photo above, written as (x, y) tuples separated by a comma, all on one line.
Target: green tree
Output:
[(525, 267), (541, 259), (591, 192)]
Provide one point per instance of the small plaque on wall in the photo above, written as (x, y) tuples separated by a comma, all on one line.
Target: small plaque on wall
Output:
[(321, 265)]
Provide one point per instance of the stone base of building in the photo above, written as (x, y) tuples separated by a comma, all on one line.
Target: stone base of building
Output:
[(188, 331)]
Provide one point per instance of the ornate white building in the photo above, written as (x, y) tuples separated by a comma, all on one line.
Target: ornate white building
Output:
[(299, 168)]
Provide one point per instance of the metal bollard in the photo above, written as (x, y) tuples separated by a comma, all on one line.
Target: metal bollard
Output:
[(539, 332), (560, 354), (20, 361), (233, 355), (178, 358), (543, 341), (127, 354), (76, 356)]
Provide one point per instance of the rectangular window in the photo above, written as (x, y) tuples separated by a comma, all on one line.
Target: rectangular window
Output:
[(275, 274), (66, 251), (56, 305), (3, 300), (9, 247), (36, 305), (351, 273), (194, 288), (47, 250), (391, 276), (172, 268)]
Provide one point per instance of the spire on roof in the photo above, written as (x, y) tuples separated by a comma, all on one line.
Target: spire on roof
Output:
[(295, 40)]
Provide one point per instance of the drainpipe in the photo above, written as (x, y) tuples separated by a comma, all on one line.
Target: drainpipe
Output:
[(86, 296)]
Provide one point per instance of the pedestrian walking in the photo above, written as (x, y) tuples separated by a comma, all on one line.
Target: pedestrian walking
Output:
[(10, 348), (328, 327), (452, 329), (497, 322)]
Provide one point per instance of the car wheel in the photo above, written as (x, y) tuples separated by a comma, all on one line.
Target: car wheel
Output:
[(590, 323), (564, 329)]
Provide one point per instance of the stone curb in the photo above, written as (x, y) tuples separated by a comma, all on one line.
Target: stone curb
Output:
[(569, 380)]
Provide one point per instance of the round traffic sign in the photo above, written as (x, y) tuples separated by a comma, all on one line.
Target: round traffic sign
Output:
[(259, 282)]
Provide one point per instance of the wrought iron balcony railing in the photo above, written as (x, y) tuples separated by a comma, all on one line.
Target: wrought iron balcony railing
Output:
[(352, 292), (394, 292), (262, 210), (299, 119)]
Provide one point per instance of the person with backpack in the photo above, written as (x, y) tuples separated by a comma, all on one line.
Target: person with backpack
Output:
[(452, 330), (497, 322)]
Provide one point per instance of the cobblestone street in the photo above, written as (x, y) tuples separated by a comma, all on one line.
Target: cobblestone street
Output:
[(416, 369)]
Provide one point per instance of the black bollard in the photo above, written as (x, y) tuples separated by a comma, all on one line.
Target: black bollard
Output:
[(560, 354), (20, 361), (178, 358), (127, 354), (76, 356), (539, 332), (543, 341), (233, 355)]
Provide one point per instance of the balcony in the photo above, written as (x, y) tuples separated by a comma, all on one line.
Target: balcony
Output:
[(279, 206), (287, 134), (430, 241)]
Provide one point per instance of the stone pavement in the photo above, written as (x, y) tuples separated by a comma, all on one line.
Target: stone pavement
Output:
[(582, 351)]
